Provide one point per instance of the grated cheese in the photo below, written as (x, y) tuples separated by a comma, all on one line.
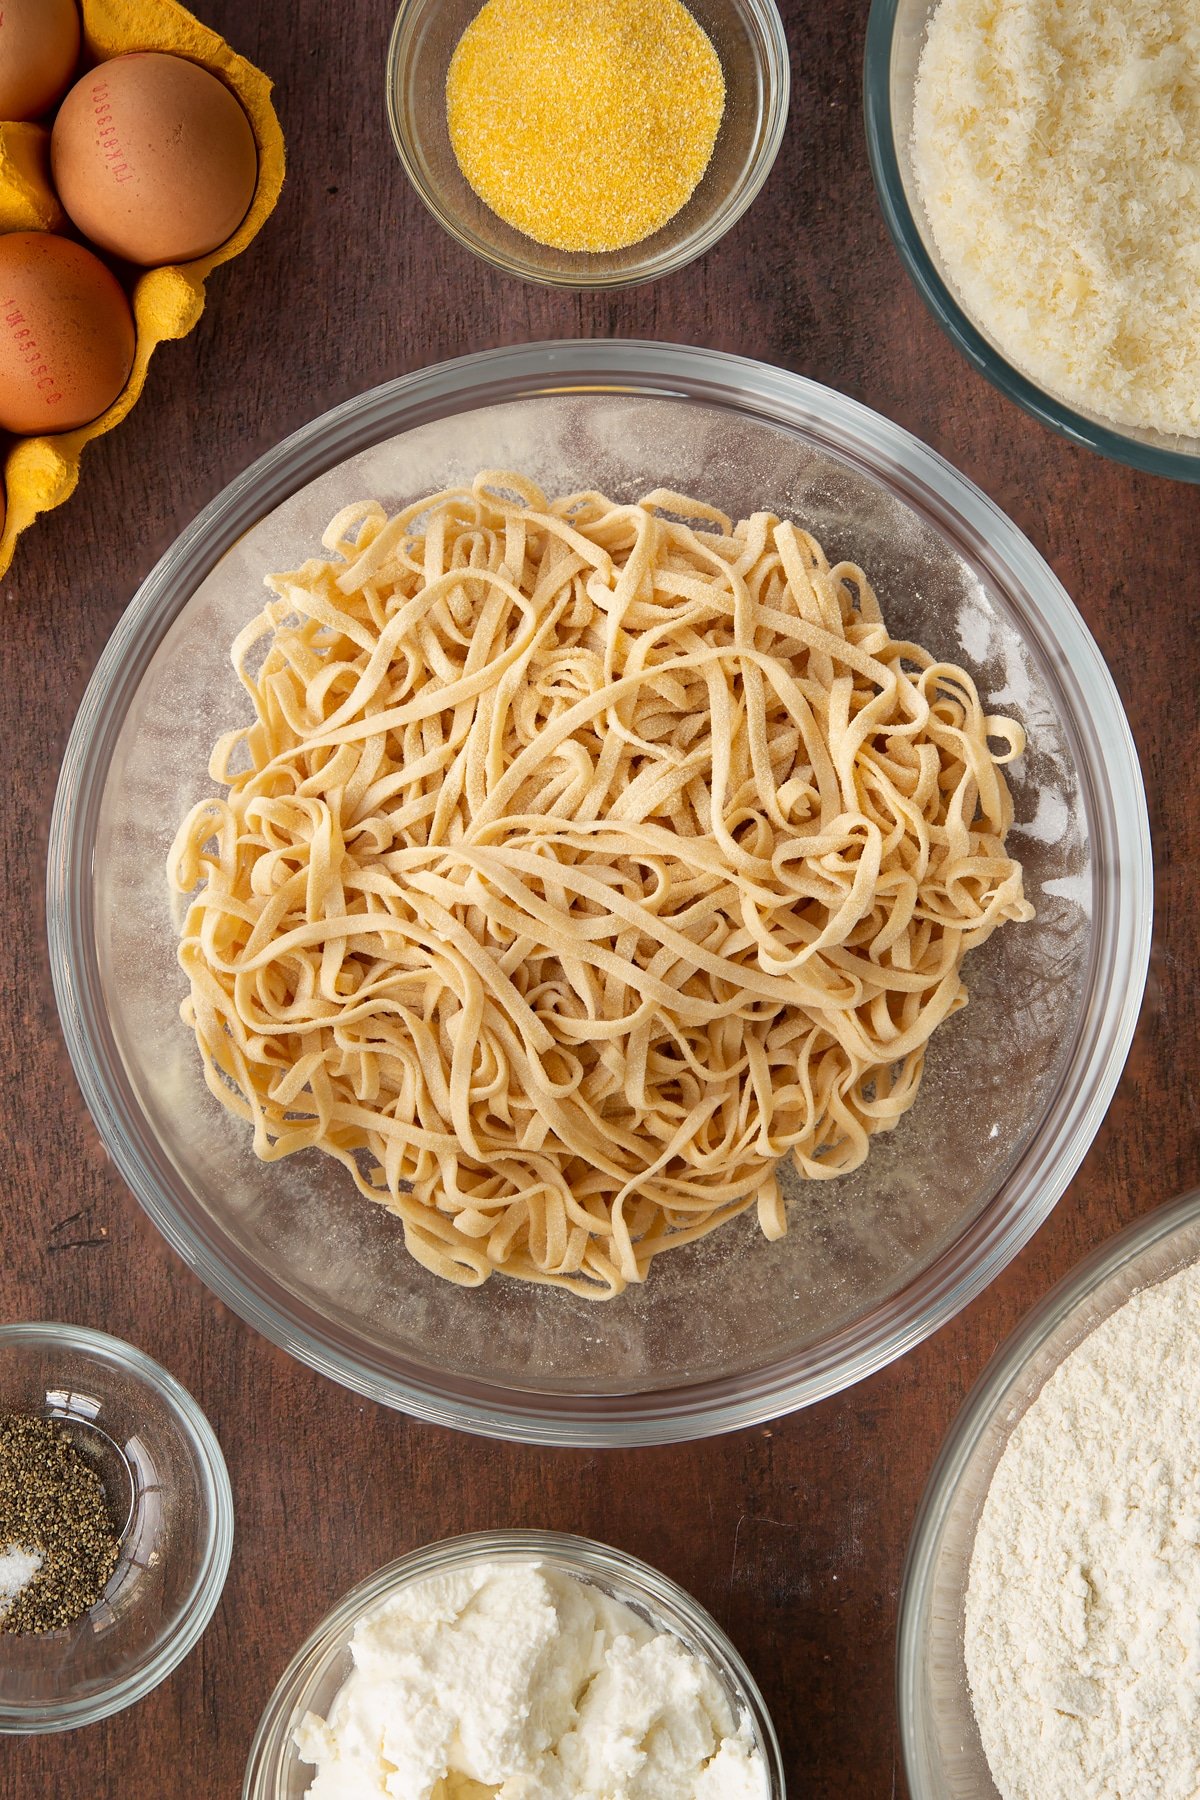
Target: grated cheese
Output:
[(1056, 146)]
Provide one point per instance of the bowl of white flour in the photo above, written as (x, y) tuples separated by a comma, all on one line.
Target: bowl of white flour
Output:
[(1047, 1645)]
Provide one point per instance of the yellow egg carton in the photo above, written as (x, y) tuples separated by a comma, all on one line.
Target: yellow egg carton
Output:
[(41, 472)]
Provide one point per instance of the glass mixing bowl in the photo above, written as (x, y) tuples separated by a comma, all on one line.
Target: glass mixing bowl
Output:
[(895, 36), (749, 38), (943, 1756), (169, 1498), (276, 1771), (732, 1330)]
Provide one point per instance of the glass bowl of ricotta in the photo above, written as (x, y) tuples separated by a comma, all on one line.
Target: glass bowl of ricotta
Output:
[(510, 1654), (735, 1329), (1113, 328), (171, 1508), (1047, 1612)]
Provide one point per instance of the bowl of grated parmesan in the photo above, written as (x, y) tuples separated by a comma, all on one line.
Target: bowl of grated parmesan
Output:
[(1047, 1614), (1039, 171)]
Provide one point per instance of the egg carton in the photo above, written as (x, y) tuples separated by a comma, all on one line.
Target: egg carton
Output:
[(41, 472)]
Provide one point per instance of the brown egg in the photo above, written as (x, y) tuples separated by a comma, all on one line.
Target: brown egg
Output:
[(66, 334), (153, 158), (39, 47)]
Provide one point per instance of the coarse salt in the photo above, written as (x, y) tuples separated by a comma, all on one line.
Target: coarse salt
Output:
[(18, 1567)]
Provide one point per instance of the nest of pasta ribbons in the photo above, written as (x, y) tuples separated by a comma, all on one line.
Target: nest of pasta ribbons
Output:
[(589, 859)]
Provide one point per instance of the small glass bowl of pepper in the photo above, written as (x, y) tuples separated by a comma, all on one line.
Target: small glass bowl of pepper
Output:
[(587, 143), (117, 1523)]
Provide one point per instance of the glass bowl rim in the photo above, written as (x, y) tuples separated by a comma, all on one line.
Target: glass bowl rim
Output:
[(775, 68), (584, 1558), (196, 1611), (1089, 434), (973, 1417), (657, 370)]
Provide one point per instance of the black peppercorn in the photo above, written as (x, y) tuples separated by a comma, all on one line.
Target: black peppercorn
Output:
[(53, 1504)]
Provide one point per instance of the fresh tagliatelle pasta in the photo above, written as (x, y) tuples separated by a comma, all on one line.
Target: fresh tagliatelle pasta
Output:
[(582, 861)]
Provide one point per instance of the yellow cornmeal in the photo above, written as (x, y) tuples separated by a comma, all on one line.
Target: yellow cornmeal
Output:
[(586, 124)]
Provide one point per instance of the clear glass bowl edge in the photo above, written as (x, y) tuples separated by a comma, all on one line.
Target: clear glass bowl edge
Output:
[(485, 378), (210, 1583)]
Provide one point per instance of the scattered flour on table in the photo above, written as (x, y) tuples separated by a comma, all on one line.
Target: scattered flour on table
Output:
[(1083, 1602)]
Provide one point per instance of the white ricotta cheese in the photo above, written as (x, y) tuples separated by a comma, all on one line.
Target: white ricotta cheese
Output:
[(515, 1680)]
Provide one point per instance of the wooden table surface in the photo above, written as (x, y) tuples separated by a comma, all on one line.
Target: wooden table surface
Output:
[(800, 1549)]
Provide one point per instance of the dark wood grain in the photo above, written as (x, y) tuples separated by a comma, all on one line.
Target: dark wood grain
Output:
[(799, 1543)]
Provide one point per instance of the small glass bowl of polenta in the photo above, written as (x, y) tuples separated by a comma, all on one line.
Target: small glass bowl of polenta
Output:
[(587, 143)]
